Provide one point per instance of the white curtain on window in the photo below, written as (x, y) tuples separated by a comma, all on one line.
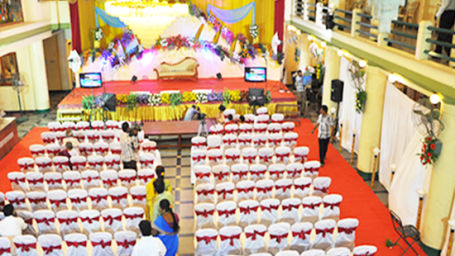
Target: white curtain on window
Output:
[(351, 120)]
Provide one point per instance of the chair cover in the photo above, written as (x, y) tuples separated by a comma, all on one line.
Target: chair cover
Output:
[(55, 126), (265, 155), (262, 119), (282, 154), (53, 149), (311, 168), (133, 215), (302, 187), (216, 129), (76, 244), (198, 142), (290, 210), (82, 125), (310, 208), (68, 125), (225, 191), (112, 162), (259, 140), (331, 205), (26, 164), (37, 150), (97, 125), (274, 128), (288, 253), (264, 189), (90, 178), (79, 135), (115, 148), (125, 242), (346, 232), (283, 188), (215, 156), (313, 252), (365, 250), (257, 171), (119, 196), (17, 180), (249, 155), (138, 194), (301, 236), (90, 220), (231, 129), (205, 192), (259, 128), (98, 197), (61, 163), (57, 199), (35, 180), (245, 189), (340, 251), (17, 199), (214, 141), (239, 172), (204, 214), (232, 155), (278, 236), (93, 135), (198, 156), (72, 179), (203, 173), (254, 238), (37, 200), (45, 220), (290, 139), (230, 240), (48, 137), (96, 162), (109, 178), (68, 221), (249, 118), (79, 163), (51, 244), (245, 128), (226, 212), (25, 245), (221, 172), (107, 136), (145, 175), (43, 163), (78, 198), (294, 170), (111, 124), (321, 186), (146, 160), (206, 242), (112, 218), (60, 135), (276, 171), (86, 148), (5, 246), (248, 210), (269, 210), (101, 243), (324, 234), (274, 139), (228, 111), (127, 177), (277, 118)]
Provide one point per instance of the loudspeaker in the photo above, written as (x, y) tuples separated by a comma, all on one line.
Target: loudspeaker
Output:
[(256, 97), (219, 76), (109, 101), (336, 94), (134, 79), (329, 23)]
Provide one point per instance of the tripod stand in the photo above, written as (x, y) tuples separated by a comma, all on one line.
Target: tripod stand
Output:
[(203, 130)]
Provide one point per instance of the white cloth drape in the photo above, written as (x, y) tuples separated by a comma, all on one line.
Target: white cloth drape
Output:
[(351, 120)]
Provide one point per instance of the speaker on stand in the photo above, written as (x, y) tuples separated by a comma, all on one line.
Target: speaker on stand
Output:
[(336, 95)]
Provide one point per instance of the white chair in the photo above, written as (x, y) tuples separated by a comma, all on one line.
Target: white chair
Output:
[(262, 119), (221, 172), (301, 154), (245, 128), (274, 139), (229, 139), (206, 242), (37, 150), (346, 232), (302, 187), (119, 196), (265, 155), (57, 199), (259, 140), (216, 129), (311, 168), (313, 252), (364, 250), (226, 212), (225, 191), (25, 245), (282, 154), (37, 200), (53, 149), (215, 156), (321, 186), (59, 136), (125, 241), (97, 125), (43, 163), (245, 139), (324, 234), (287, 126), (287, 253), (283, 188), (290, 210), (259, 128), (45, 220), (68, 221), (277, 118), (198, 142), (331, 205), (26, 164), (245, 189), (228, 111), (111, 124), (146, 160), (79, 135), (55, 126), (264, 189), (17, 180), (231, 129), (107, 136), (248, 210), (273, 128), (76, 244), (138, 195), (90, 220), (68, 126), (257, 171), (90, 179), (98, 196), (145, 175), (112, 218), (112, 162), (214, 141), (249, 118), (61, 163), (230, 240), (276, 171), (279, 233), (48, 137), (51, 244), (17, 199), (198, 156), (254, 238), (5, 246), (310, 208), (294, 170), (232, 155), (78, 198), (35, 180), (79, 163), (249, 155), (204, 214), (101, 244), (72, 179), (205, 192), (127, 177), (290, 139), (133, 215), (301, 236), (340, 251), (115, 148), (239, 172), (109, 178), (269, 210), (202, 173), (82, 125), (102, 147), (95, 162), (86, 148)]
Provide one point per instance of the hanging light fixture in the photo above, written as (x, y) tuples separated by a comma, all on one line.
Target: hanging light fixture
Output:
[(435, 99)]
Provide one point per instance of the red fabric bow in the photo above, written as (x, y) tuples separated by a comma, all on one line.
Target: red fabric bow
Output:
[(220, 175), (269, 208), (282, 156), (277, 173), (97, 199), (198, 144), (76, 200), (206, 192), (302, 187), (90, 220), (284, 188), (67, 221), (264, 189), (331, 205), (34, 182), (254, 234), (202, 175), (5, 250), (206, 239), (278, 238), (138, 197), (347, 231), (17, 180), (198, 158), (17, 201), (324, 231), (265, 158), (248, 210), (365, 254), (302, 234), (224, 192), (133, 216), (102, 243), (204, 213), (311, 206), (245, 190), (37, 200), (25, 247), (118, 198), (50, 249), (45, 221), (322, 189), (53, 182), (226, 212), (57, 202), (260, 142), (250, 159), (215, 158), (126, 243), (241, 174), (232, 157), (128, 179), (109, 182), (110, 219), (72, 182), (230, 238), (90, 179), (290, 207)]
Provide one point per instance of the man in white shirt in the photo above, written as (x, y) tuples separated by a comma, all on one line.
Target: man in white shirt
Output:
[(11, 226), (325, 122), (148, 245)]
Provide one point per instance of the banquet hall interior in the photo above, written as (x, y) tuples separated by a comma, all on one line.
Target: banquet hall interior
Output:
[(234, 100)]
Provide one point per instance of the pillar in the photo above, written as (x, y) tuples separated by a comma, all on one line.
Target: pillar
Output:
[(442, 185), (39, 79), (370, 135), (332, 71)]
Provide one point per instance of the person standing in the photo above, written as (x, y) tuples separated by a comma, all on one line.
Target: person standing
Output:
[(11, 225), (152, 191), (190, 113), (129, 148), (300, 89), (148, 245), (324, 123), (167, 224), (446, 15)]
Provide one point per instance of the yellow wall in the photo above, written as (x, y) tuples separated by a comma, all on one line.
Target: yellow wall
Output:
[(34, 10), (265, 16)]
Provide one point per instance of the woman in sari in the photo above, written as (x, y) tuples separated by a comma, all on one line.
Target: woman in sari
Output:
[(151, 193), (161, 195), (167, 227)]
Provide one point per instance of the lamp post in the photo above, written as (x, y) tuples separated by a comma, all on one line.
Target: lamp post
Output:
[(353, 146), (393, 168), (451, 241), (421, 193), (375, 163)]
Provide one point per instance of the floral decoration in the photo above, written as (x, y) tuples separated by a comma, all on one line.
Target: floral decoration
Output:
[(358, 75), (189, 97), (165, 98), (201, 97), (155, 99), (431, 148)]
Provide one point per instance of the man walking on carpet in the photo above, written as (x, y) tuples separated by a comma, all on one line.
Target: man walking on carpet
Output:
[(324, 123)]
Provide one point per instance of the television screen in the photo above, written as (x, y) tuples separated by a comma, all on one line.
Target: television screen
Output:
[(90, 80), (255, 74)]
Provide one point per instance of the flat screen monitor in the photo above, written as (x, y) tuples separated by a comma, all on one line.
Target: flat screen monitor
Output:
[(90, 80), (255, 74)]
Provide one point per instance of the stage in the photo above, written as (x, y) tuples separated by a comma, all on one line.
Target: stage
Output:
[(72, 103)]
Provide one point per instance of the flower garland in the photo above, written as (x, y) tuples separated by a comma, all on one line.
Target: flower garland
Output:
[(431, 149), (358, 77)]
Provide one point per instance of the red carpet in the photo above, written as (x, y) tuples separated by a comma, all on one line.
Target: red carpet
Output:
[(9, 162), (359, 201), (73, 100)]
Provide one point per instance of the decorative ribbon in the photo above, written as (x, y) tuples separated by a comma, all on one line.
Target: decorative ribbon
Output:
[(50, 249), (301, 234), (60, 165), (25, 247), (102, 243), (35, 182), (282, 156), (216, 158), (5, 250), (290, 207), (264, 189), (273, 130), (110, 219), (198, 144), (205, 192), (260, 130), (127, 179), (302, 186), (90, 179), (97, 198), (204, 213), (240, 174), (278, 238), (146, 178), (248, 210), (347, 231), (117, 198), (77, 200), (126, 243), (245, 190), (90, 220), (311, 206), (265, 158), (332, 205), (201, 175), (324, 231), (37, 200), (206, 239), (198, 158), (232, 157), (76, 244), (230, 238), (226, 212), (38, 152), (133, 216), (277, 173), (18, 180), (72, 182), (109, 182), (116, 151), (17, 201), (250, 159), (138, 197), (224, 192), (269, 208), (67, 221), (290, 140), (254, 234), (45, 221), (321, 189), (220, 175)]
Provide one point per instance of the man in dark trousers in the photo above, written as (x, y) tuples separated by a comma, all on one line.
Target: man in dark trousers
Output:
[(446, 15), (325, 122)]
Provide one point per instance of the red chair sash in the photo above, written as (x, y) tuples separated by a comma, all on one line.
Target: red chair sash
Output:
[(226, 212), (231, 238), (302, 186), (250, 159), (57, 202), (76, 244), (324, 231), (202, 175), (25, 247), (347, 231), (332, 205), (138, 197), (110, 182), (67, 221), (254, 234), (128, 179), (46, 221), (311, 206), (97, 199), (5, 250), (224, 192), (90, 179), (321, 189), (77, 200), (205, 192), (126, 243), (277, 172), (18, 180), (290, 207), (37, 200), (60, 165), (264, 189), (17, 201), (217, 147), (72, 182), (90, 220), (117, 198), (260, 142), (110, 219), (204, 213), (232, 157), (274, 130), (50, 249), (146, 178), (240, 174), (278, 238), (36, 181), (290, 140), (220, 175), (265, 158), (302, 234), (284, 188), (198, 144), (198, 158), (248, 210), (206, 239), (269, 208), (282, 156), (216, 158), (116, 151), (102, 243), (245, 190), (133, 216)]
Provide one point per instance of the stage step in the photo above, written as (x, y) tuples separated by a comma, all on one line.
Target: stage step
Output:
[(74, 115)]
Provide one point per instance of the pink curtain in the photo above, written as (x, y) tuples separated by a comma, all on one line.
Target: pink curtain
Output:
[(279, 20), (75, 28)]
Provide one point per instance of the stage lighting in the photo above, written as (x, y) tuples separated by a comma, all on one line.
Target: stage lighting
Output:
[(219, 76), (134, 79), (435, 99)]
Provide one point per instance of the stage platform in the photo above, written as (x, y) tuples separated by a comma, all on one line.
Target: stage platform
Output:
[(70, 108)]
